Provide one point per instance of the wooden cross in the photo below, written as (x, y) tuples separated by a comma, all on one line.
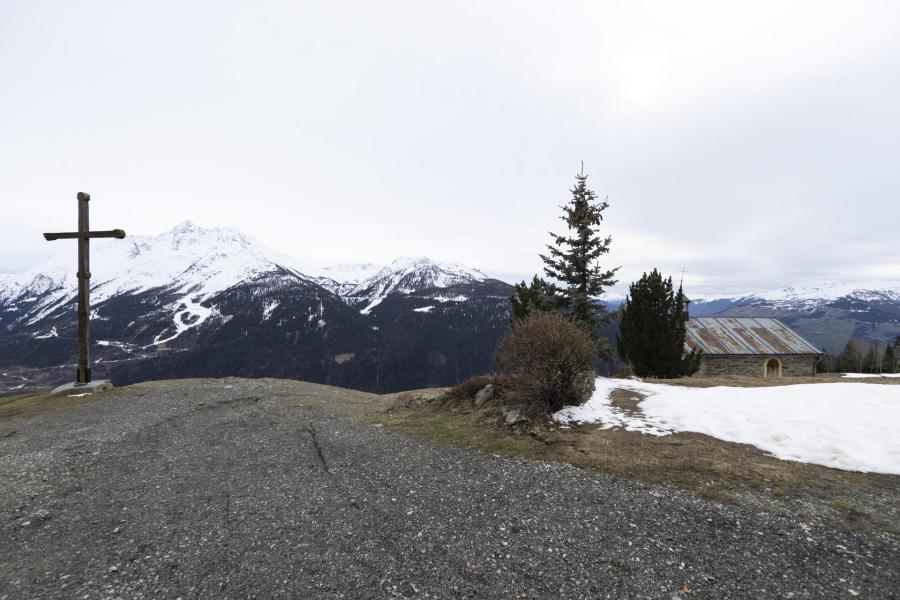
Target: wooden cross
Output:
[(84, 235)]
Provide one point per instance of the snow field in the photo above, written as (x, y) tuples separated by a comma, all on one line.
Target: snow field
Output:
[(868, 375), (850, 426)]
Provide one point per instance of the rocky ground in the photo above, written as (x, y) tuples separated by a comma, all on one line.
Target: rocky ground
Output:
[(264, 488)]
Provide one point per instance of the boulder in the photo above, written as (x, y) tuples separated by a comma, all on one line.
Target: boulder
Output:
[(514, 414), (484, 395)]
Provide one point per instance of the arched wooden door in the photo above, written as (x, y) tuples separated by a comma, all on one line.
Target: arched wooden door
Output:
[(773, 368)]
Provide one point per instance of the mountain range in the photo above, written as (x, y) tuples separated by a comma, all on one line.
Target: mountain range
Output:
[(196, 302), (828, 315), (214, 302)]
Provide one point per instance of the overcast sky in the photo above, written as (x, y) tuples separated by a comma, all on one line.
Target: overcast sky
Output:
[(754, 144)]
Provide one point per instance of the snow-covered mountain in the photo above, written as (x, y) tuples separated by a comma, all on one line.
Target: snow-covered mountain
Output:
[(344, 278), (814, 294), (367, 285), (208, 259), (828, 314), (195, 301), (195, 264), (210, 302), (191, 263)]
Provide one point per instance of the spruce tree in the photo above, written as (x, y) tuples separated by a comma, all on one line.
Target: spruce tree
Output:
[(652, 329), (851, 358), (890, 359), (537, 297), (572, 264), (870, 363), (895, 367), (828, 363)]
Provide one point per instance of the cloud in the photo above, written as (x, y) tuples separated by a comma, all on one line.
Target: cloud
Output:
[(753, 146)]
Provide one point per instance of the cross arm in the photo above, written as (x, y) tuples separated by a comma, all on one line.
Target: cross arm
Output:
[(119, 234)]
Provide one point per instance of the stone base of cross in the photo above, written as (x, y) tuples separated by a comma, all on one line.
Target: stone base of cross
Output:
[(78, 389), (83, 383)]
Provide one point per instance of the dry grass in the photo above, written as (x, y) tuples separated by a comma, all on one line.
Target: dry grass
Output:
[(687, 459), (627, 400), (29, 405), (713, 468)]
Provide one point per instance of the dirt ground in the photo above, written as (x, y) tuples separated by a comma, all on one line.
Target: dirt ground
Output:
[(265, 488), (713, 468)]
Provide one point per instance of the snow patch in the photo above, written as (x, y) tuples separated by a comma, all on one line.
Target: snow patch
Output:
[(50, 334), (868, 375), (317, 314), (443, 299), (114, 344), (850, 426), (192, 315), (424, 309), (268, 309), (375, 302)]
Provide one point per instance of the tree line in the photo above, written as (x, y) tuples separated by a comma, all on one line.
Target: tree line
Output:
[(859, 356)]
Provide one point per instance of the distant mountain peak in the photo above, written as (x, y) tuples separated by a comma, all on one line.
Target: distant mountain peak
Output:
[(371, 284), (186, 257), (184, 226), (816, 291), (196, 263), (826, 313), (412, 262), (349, 273), (350, 266)]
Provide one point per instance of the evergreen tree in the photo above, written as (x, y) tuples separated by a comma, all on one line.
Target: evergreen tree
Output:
[(895, 367), (652, 329), (537, 297), (851, 358), (573, 260), (870, 364), (890, 359), (829, 363)]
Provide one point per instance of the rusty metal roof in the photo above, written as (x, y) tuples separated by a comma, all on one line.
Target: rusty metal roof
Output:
[(744, 335)]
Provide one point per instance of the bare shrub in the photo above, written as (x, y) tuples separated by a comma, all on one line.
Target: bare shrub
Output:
[(624, 370), (545, 356), (472, 385)]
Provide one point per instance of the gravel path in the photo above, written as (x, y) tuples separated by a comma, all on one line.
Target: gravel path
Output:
[(262, 488)]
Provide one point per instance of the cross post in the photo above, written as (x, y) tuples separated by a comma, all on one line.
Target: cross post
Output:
[(84, 235)]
